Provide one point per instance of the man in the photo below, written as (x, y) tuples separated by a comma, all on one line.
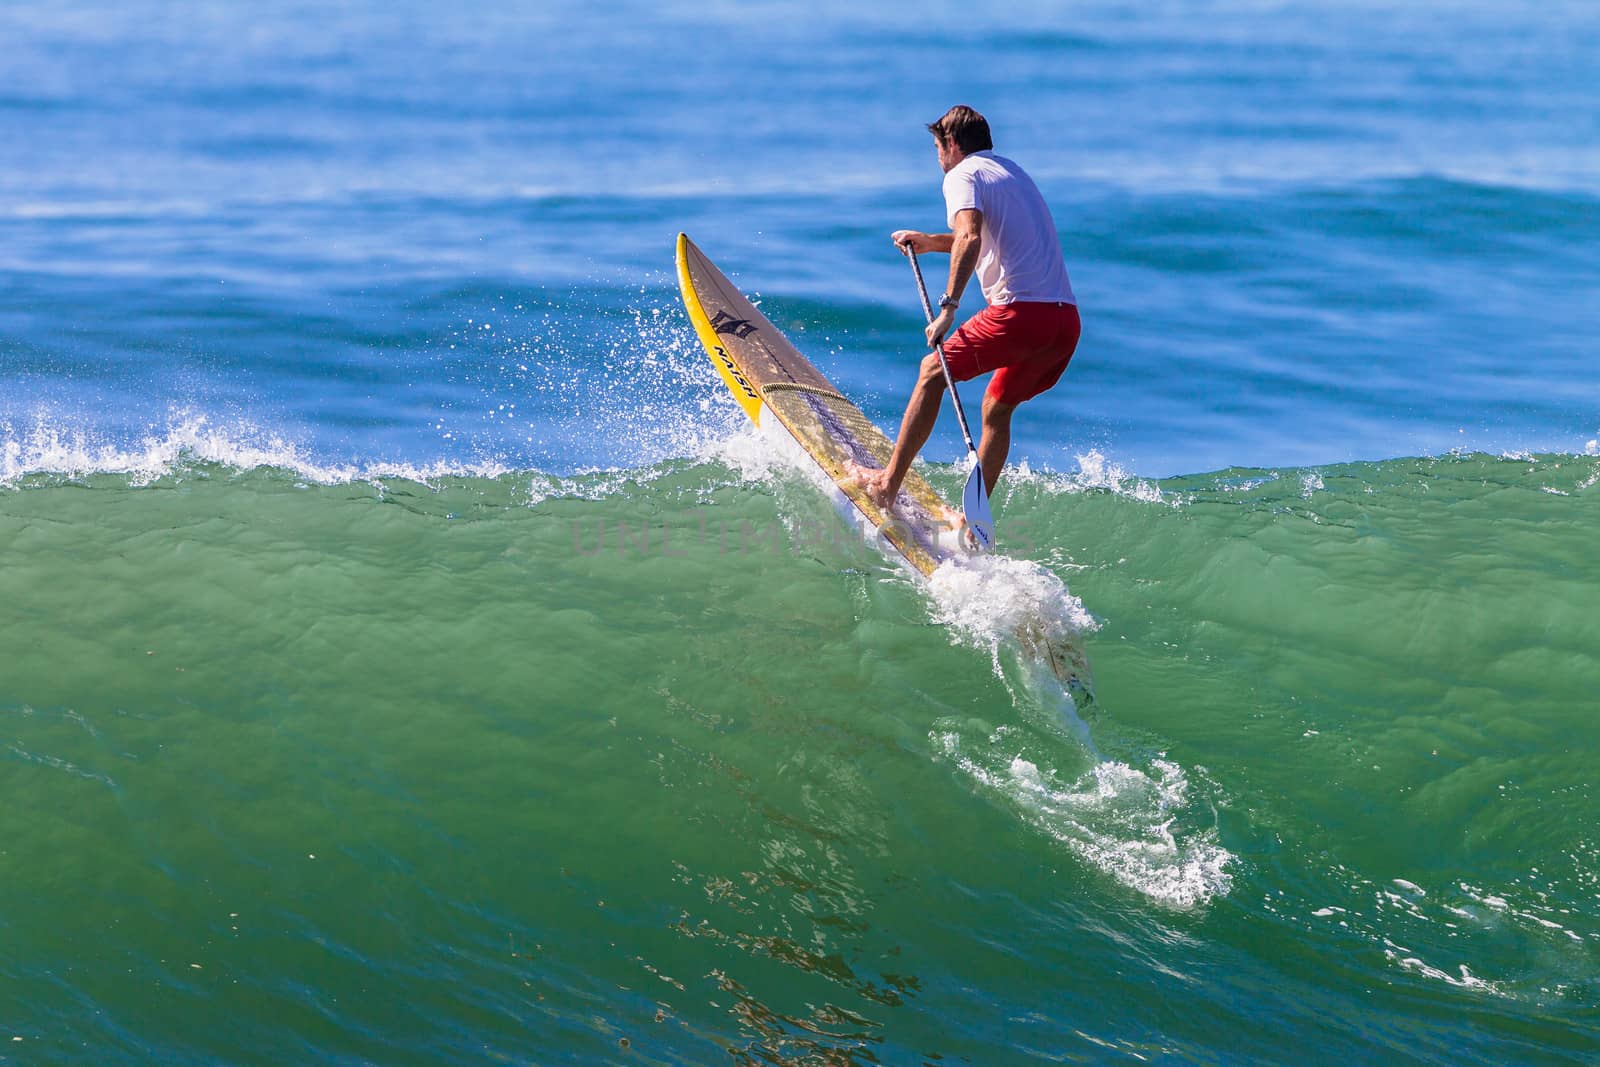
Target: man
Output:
[(1003, 231)]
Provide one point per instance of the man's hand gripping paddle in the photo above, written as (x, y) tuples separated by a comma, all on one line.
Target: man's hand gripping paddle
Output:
[(975, 497)]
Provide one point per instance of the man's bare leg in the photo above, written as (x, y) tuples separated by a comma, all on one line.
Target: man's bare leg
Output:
[(993, 447), (922, 411), (996, 442)]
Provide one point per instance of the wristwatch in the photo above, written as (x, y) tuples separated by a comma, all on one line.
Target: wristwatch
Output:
[(948, 301)]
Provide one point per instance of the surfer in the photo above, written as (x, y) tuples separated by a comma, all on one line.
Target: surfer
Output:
[(1003, 232)]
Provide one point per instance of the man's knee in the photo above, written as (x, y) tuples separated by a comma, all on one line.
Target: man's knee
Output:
[(996, 410), (931, 370)]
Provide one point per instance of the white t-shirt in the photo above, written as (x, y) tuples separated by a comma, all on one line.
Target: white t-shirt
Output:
[(1020, 256)]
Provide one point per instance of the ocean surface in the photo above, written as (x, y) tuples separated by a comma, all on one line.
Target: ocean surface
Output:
[(409, 655)]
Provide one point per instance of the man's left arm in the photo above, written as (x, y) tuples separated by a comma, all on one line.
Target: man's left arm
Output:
[(967, 240)]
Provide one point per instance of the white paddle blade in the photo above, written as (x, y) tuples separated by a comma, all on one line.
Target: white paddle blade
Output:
[(975, 506)]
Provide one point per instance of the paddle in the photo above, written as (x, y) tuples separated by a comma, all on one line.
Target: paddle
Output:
[(975, 497)]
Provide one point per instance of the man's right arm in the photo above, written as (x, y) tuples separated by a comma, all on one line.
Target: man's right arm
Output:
[(919, 242)]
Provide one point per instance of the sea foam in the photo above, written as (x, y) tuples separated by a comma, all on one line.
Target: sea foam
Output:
[(1119, 819), (188, 439)]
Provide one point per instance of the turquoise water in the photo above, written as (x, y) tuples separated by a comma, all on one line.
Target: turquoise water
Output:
[(412, 657)]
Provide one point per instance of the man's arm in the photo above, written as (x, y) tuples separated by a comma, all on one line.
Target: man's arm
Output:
[(919, 242), (965, 244)]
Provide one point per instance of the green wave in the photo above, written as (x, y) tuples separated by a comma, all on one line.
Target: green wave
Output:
[(382, 730)]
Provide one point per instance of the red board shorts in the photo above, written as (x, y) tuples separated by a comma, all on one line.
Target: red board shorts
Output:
[(1027, 345)]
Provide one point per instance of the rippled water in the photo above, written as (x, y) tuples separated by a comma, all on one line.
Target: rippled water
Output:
[(412, 657)]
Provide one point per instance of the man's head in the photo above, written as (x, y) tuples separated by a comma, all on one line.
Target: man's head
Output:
[(960, 132)]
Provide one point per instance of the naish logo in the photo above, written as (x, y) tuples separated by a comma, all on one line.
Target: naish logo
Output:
[(735, 374), (726, 323)]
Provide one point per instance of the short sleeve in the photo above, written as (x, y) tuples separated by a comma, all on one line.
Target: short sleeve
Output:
[(960, 192)]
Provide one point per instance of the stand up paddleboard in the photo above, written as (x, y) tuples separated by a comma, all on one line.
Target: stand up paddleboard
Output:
[(771, 381), (774, 383)]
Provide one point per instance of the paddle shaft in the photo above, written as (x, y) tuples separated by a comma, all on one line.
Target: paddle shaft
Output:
[(944, 365), (975, 498)]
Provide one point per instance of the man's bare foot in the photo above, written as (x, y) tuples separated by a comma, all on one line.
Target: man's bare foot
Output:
[(875, 483), (956, 519), (951, 517)]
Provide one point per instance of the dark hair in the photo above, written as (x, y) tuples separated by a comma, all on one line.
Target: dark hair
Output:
[(964, 128)]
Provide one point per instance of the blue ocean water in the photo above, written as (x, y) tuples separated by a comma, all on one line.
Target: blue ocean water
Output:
[(1301, 234), (332, 338)]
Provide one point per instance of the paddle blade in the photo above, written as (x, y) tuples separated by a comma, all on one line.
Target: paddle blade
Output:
[(975, 505)]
